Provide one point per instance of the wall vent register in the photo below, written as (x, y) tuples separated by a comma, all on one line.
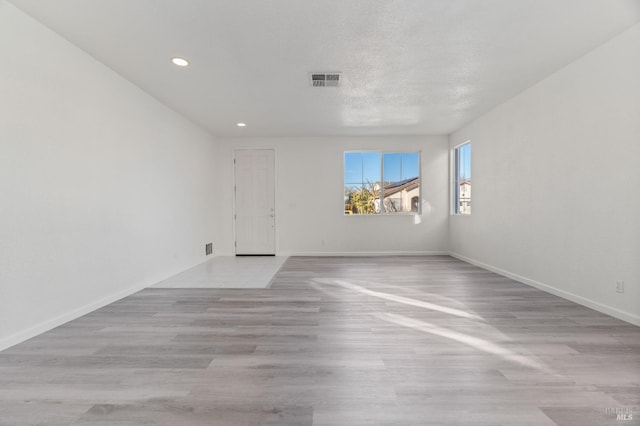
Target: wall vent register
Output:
[(325, 79)]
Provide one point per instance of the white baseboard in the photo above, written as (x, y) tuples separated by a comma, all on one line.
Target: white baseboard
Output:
[(57, 321), (605, 309), (52, 323), (362, 253)]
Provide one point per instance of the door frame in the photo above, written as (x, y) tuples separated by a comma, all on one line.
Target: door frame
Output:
[(275, 192)]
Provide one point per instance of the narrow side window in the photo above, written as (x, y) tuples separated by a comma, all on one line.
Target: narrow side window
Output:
[(462, 179)]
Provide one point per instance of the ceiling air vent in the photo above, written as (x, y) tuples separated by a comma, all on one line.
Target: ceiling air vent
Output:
[(325, 79)]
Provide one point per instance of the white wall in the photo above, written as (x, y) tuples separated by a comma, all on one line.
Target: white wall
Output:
[(556, 182), (310, 216), (103, 189)]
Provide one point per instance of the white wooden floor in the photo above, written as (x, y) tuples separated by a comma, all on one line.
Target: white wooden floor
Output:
[(333, 341)]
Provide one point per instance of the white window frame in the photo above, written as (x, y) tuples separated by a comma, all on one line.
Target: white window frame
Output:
[(382, 153), (455, 175)]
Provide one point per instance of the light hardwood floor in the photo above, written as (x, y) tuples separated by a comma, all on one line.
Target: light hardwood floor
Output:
[(334, 341)]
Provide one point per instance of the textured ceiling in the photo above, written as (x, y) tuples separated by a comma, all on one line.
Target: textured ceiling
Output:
[(410, 67)]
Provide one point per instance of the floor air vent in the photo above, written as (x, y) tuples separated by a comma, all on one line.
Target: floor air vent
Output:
[(325, 79)]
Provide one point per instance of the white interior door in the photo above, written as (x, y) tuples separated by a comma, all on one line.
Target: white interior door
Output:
[(255, 215)]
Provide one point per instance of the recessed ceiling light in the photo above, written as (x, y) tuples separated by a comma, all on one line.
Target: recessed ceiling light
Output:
[(181, 62), (241, 124)]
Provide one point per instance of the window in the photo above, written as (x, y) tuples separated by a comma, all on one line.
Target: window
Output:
[(381, 182), (462, 179)]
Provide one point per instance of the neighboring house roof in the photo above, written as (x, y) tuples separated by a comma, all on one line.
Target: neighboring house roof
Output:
[(407, 184)]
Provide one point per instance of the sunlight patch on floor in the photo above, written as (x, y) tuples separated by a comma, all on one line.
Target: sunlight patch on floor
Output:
[(400, 299), (475, 342)]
